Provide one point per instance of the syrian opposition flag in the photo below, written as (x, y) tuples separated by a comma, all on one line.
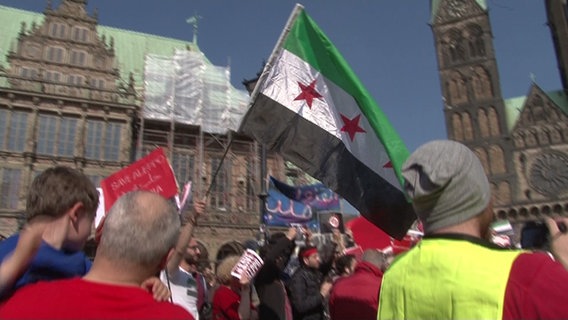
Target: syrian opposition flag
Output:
[(312, 109)]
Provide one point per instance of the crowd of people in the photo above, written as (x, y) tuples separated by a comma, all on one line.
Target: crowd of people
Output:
[(147, 263)]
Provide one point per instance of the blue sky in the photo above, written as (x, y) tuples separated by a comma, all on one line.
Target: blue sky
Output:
[(388, 43)]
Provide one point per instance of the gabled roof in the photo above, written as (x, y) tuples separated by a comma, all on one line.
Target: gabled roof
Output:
[(209, 100), (514, 106), (435, 5), (130, 47), (10, 28)]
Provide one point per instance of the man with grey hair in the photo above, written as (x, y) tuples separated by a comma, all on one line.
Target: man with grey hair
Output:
[(454, 272), (140, 232), (356, 296)]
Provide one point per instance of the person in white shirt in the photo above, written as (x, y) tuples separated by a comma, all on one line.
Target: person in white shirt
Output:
[(181, 274)]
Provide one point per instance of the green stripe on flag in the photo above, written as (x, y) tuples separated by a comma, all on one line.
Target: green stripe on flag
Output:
[(307, 41)]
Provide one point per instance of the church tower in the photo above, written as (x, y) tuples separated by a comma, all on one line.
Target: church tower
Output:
[(473, 105), (557, 13)]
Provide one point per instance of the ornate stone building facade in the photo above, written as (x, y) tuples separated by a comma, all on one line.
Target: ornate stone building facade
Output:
[(522, 142), (60, 102), (71, 93)]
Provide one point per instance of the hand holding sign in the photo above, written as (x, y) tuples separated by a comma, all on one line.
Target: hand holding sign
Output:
[(248, 265), (151, 173)]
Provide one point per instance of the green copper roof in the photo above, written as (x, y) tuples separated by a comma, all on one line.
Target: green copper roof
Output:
[(10, 28), (130, 47), (559, 97), (208, 100), (435, 5), (514, 106)]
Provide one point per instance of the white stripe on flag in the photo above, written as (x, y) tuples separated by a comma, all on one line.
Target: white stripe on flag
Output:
[(282, 86)]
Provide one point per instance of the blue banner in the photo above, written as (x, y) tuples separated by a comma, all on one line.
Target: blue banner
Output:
[(286, 205)]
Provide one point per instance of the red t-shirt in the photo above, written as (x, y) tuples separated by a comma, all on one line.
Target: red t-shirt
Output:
[(356, 296), (226, 304), (80, 299), (537, 288)]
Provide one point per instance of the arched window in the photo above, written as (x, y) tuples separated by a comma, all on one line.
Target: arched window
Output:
[(457, 90), (455, 44), (457, 126), (543, 137), (519, 140), (481, 83), (537, 109), (496, 160), (493, 120), (555, 136), (530, 138), (483, 123), (467, 127), (476, 44), (482, 155)]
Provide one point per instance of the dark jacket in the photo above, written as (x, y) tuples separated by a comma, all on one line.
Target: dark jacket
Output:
[(304, 291), (356, 296), (269, 287)]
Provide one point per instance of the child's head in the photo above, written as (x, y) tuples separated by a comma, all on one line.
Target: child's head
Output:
[(224, 269), (60, 191)]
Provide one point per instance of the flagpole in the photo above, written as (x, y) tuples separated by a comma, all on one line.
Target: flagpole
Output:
[(263, 194), (262, 78), (274, 55), (219, 166)]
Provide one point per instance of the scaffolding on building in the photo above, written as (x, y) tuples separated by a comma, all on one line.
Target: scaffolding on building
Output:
[(186, 88), (190, 104)]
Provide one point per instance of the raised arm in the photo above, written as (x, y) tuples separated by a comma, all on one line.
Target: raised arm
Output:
[(185, 235), (15, 264)]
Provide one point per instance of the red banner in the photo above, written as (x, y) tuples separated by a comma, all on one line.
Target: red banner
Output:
[(151, 173)]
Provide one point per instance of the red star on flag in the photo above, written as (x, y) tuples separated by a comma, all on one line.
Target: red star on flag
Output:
[(308, 93), (351, 126)]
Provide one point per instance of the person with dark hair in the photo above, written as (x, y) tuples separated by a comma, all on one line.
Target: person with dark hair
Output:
[(270, 288), (139, 235), (307, 289), (61, 203), (344, 265), (356, 296), (455, 272), (60, 211)]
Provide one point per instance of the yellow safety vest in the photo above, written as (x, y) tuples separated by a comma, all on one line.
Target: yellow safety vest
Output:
[(446, 279)]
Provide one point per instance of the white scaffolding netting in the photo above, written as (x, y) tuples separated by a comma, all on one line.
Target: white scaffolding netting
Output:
[(188, 89)]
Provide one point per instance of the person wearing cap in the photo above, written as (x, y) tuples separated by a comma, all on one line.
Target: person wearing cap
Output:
[(307, 289), (454, 272)]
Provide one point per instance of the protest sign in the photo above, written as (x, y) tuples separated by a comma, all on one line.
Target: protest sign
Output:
[(151, 173), (100, 208), (249, 264)]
